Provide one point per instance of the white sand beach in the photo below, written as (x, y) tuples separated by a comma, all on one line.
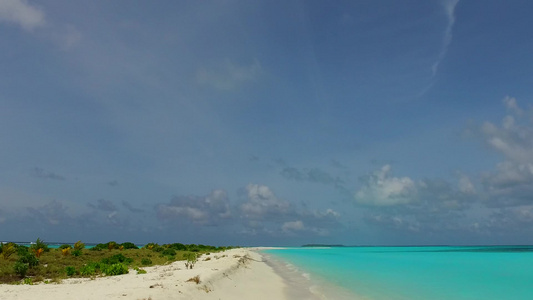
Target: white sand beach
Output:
[(233, 274)]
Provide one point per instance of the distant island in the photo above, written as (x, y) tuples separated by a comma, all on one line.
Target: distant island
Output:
[(322, 245)]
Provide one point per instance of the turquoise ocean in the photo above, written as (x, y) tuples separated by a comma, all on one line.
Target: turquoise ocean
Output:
[(411, 273)]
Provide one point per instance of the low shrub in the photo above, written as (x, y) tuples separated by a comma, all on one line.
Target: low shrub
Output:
[(129, 245), (191, 258), (29, 259), (22, 250), (146, 261), (169, 252), (88, 270), (117, 258), (158, 248), (178, 246), (20, 268), (71, 271), (76, 252), (115, 269)]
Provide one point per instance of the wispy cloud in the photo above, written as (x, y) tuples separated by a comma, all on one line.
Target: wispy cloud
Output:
[(103, 205), (41, 173), (229, 76), (449, 8), (22, 13)]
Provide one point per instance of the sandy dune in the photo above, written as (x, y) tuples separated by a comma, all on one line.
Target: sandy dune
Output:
[(233, 274)]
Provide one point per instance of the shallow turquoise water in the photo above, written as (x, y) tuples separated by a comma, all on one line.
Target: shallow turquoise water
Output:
[(420, 273)]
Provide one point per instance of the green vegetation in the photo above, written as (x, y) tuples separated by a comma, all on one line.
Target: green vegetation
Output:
[(21, 264), (191, 258), (7, 250), (71, 271)]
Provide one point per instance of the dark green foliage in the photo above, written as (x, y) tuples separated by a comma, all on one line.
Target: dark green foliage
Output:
[(117, 258), (178, 246), (71, 271), (146, 261), (115, 269), (28, 259), (169, 252), (129, 245), (158, 249), (22, 250), (76, 252), (106, 246), (99, 247), (20, 268)]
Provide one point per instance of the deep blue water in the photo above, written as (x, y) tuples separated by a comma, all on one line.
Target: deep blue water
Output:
[(419, 273)]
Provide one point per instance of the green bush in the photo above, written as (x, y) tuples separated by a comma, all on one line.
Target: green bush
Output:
[(65, 246), (129, 245), (117, 258), (88, 270), (22, 250), (115, 269), (146, 261), (169, 252), (71, 271), (76, 252), (158, 249), (99, 247), (29, 259), (191, 258), (20, 268), (178, 246)]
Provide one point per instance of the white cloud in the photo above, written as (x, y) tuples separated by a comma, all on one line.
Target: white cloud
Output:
[(21, 13), (229, 76), (511, 105), (381, 189), (209, 209), (513, 139), (262, 201), (465, 185), (292, 226), (511, 183)]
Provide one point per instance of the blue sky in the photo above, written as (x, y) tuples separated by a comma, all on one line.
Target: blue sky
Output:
[(267, 122)]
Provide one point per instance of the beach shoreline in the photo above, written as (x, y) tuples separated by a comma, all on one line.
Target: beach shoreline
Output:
[(233, 274)]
